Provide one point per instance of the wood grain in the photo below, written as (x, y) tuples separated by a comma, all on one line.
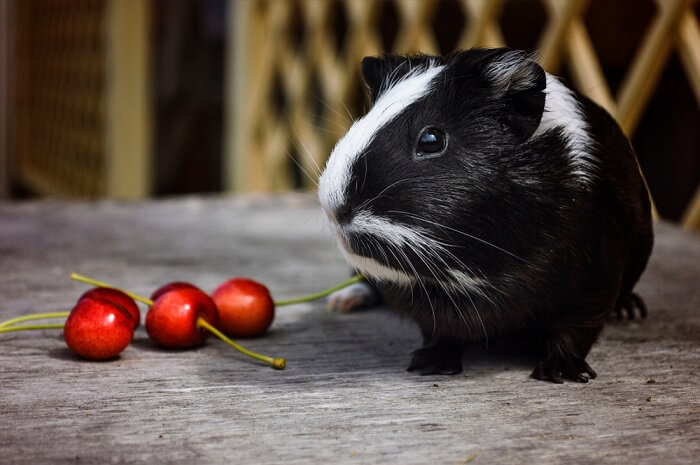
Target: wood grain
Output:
[(345, 397)]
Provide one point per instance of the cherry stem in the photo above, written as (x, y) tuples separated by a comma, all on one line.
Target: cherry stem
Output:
[(35, 316), (94, 282), (30, 327), (277, 363), (281, 303), (318, 295)]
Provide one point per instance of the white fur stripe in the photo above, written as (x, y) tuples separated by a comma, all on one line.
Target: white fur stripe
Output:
[(414, 238), (374, 269), (396, 233), (464, 281), (461, 282), (563, 111), (333, 183)]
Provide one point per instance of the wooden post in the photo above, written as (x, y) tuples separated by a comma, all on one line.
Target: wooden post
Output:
[(5, 35), (236, 132), (689, 50), (128, 129)]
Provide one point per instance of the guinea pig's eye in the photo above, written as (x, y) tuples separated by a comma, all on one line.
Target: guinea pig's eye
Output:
[(432, 142)]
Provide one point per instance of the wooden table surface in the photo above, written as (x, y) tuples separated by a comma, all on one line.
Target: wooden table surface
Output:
[(345, 396)]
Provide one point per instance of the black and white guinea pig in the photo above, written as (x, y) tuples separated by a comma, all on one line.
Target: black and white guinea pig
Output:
[(482, 197)]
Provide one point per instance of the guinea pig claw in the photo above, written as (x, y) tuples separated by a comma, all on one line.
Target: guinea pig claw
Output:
[(630, 304), (639, 303), (547, 372), (555, 369), (586, 368)]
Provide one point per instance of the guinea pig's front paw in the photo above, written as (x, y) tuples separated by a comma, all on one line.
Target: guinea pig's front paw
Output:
[(557, 368), (437, 359), (630, 304), (357, 295)]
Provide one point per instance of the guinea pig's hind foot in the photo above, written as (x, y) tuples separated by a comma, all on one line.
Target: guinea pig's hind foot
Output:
[(557, 370), (440, 357), (561, 360), (355, 296), (630, 304)]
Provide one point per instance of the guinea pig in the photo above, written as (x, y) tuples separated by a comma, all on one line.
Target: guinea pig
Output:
[(483, 198)]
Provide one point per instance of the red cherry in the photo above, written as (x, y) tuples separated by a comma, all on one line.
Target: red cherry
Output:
[(171, 287), (98, 329), (116, 296), (246, 308), (172, 319)]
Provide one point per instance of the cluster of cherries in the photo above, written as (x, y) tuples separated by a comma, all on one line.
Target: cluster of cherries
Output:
[(180, 315)]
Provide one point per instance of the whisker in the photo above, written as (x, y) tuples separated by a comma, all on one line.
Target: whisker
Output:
[(400, 265), (311, 157), (421, 283), (478, 315), (298, 138), (428, 255), (483, 241), (443, 249), (329, 121), (302, 194), (334, 110), (346, 110), (426, 259), (369, 201), (301, 168)]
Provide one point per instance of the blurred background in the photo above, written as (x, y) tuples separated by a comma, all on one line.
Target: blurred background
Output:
[(148, 98)]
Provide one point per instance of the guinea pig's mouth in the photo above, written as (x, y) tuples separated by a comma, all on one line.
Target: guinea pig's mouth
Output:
[(393, 250), (351, 238), (368, 233)]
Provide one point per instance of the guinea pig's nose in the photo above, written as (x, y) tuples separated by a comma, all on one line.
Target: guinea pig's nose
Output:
[(344, 214)]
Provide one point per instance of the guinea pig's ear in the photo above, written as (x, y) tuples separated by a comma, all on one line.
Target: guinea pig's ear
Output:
[(380, 72), (519, 82)]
